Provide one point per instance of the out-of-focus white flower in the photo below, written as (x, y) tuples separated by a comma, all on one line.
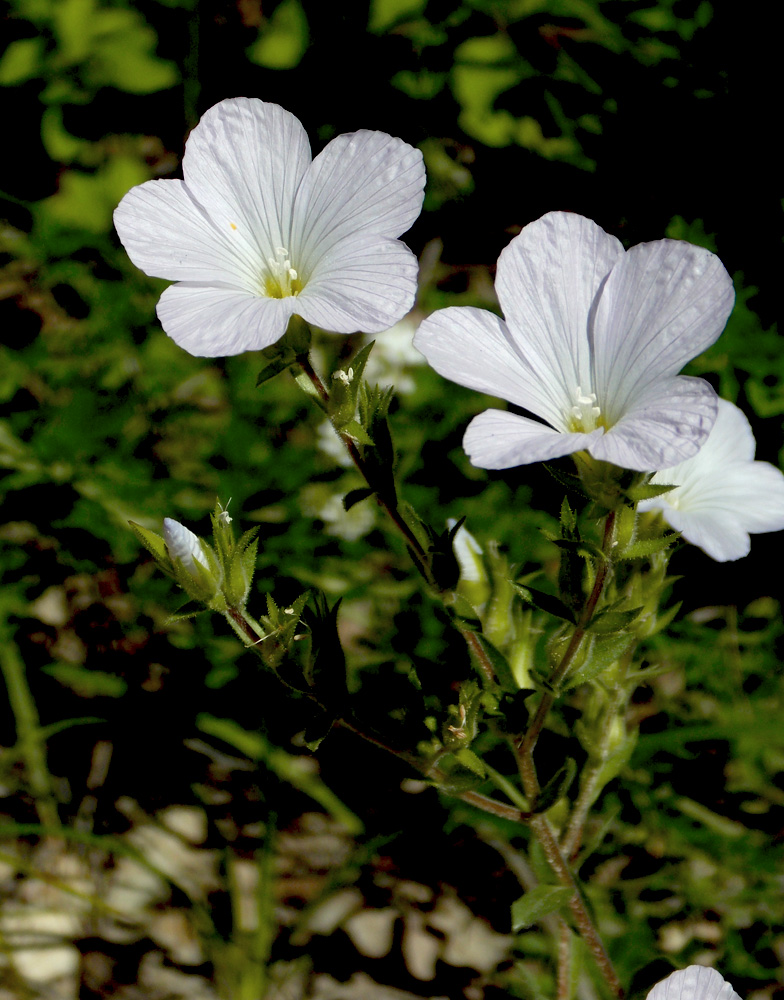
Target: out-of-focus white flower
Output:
[(591, 343), (697, 982), (184, 546), (722, 494), (257, 232), (393, 356)]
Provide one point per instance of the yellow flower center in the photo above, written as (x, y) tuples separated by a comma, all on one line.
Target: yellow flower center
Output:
[(281, 280), (585, 416)]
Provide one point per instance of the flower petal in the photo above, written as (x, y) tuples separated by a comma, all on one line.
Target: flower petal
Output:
[(168, 235), (548, 278), (364, 182), (497, 439), (697, 982), (717, 533), (213, 322), (243, 164), (666, 423), (183, 545), (475, 348), (365, 283), (661, 306)]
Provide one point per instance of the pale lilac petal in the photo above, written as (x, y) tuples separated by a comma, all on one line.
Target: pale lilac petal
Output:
[(183, 545), (697, 982), (497, 439), (365, 283), (474, 348), (548, 278), (662, 305), (243, 164), (665, 423), (213, 322), (362, 183), (168, 235)]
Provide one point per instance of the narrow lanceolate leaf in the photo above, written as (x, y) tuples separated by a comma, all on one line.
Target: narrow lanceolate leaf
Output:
[(648, 491), (603, 653), (545, 602), (357, 496), (613, 620), (645, 547), (537, 903), (499, 663), (557, 786)]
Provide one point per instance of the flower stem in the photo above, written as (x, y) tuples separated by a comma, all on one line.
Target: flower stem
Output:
[(528, 742), (420, 556), (544, 833), (591, 782)]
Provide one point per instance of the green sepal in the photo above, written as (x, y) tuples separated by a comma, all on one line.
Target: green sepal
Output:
[(647, 491), (645, 547), (545, 602), (357, 496), (571, 482), (664, 618), (557, 786), (539, 902), (154, 544), (344, 393), (602, 654), (568, 519), (356, 432)]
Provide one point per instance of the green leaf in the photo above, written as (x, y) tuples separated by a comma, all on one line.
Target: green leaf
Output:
[(603, 653), (356, 432), (647, 491), (87, 683), (470, 761), (283, 39), (500, 665), (545, 602), (573, 483), (357, 496), (557, 786), (613, 620), (648, 546), (537, 903)]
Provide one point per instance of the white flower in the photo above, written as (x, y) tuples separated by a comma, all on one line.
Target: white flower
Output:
[(722, 494), (257, 232), (697, 982), (184, 546), (592, 339)]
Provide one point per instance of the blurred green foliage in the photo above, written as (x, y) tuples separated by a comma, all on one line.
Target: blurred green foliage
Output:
[(103, 420)]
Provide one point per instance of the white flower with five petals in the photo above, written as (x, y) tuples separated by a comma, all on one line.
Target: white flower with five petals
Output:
[(592, 339), (697, 982), (257, 231), (722, 495)]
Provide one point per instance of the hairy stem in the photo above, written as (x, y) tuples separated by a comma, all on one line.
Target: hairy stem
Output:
[(544, 833), (420, 557)]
